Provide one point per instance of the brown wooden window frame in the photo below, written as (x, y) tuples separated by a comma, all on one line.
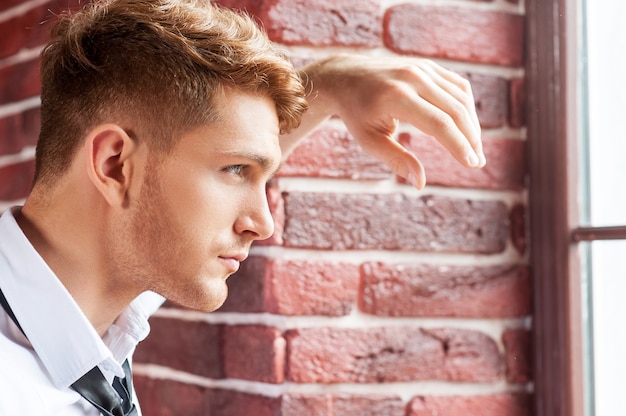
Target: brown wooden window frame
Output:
[(554, 228)]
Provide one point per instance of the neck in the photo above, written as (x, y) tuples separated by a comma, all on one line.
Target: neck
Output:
[(68, 234)]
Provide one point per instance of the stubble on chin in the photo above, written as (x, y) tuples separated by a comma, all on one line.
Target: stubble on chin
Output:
[(150, 254)]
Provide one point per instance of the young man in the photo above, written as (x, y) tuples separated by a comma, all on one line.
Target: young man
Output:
[(162, 122)]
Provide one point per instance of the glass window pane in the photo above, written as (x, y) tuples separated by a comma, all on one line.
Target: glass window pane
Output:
[(607, 269), (606, 107)]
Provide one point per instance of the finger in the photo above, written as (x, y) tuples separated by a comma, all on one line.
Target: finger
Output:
[(405, 164), (461, 89), (434, 121), (456, 85), (378, 142), (457, 80), (454, 102)]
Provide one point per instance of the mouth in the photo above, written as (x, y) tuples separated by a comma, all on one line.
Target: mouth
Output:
[(232, 262)]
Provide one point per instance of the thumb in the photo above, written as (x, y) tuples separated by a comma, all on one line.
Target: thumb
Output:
[(382, 146), (405, 164)]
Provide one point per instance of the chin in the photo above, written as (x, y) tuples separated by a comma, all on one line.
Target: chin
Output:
[(200, 305), (212, 306), (205, 294), (210, 297)]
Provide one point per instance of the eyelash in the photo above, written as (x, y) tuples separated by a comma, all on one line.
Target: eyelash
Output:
[(237, 170)]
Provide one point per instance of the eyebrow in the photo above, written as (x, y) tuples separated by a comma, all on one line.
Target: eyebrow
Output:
[(262, 161)]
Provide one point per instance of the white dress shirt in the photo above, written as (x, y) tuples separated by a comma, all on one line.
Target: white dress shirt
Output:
[(61, 345)]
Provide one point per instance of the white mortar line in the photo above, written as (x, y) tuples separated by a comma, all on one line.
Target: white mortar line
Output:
[(161, 372), (19, 106), (505, 133), (404, 390), (28, 153), (494, 5), (390, 186), (23, 55), (355, 320), (20, 9), (509, 256)]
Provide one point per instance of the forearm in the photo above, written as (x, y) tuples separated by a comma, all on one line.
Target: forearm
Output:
[(315, 78)]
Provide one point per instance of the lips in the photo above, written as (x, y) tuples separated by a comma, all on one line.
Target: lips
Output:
[(232, 262)]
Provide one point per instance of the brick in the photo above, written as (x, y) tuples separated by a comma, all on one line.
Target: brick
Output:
[(323, 22), (250, 7), (518, 352), (394, 222), (7, 4), (233, 403), (293, 287), (193, 347), (505, 168), (341, 405), (57, 7), (169, 398), (246, 288), (456, 33), (517, 105), (254, 352), (445, 291), (159, 397), (20, 81), (518, 227), (390, 354), (331, 152), (469, 355), (491, 95), (26, 31), (312, 288), (483, 405), (18, 131), (12, 37), (16, 180)]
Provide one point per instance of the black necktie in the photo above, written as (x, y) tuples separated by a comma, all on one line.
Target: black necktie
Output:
[(111, 401), (93, 386)]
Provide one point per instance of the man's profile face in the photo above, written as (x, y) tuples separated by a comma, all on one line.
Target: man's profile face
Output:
[(201, 208)]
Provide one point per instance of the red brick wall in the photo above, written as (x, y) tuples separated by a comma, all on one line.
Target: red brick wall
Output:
[(371, 298)]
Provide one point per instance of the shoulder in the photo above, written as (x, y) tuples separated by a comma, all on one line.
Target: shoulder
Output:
[(25, 386)]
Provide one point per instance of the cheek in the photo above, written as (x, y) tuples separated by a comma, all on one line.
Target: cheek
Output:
[(200, 202), (214, 207)]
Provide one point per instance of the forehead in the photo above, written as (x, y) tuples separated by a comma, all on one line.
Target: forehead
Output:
[(244, 116), (246, 125)]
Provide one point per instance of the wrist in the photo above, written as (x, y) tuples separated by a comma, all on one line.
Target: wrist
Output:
[(324, 81)]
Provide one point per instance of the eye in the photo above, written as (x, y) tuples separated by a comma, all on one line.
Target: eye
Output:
[(235, 169)]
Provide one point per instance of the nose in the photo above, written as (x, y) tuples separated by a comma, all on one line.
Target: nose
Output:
[(256, 218)]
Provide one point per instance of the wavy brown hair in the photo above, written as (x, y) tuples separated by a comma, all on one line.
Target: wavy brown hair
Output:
[(154, 67)]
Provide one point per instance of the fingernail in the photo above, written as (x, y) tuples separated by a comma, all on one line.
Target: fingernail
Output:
[(472, 159), (483, 159), (413, 180)]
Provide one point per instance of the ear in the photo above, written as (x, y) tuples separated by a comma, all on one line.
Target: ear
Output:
[(111, 155)]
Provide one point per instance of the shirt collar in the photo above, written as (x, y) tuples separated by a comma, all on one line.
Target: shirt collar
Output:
[(59, 332)]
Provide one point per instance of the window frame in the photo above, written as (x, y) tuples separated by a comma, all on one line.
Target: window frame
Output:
[(552, 130), (555, 231)]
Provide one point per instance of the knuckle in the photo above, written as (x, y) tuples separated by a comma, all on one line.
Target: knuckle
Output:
[(464, 82), (458, 112), (410, 73), (441, 122), (397, 90)]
